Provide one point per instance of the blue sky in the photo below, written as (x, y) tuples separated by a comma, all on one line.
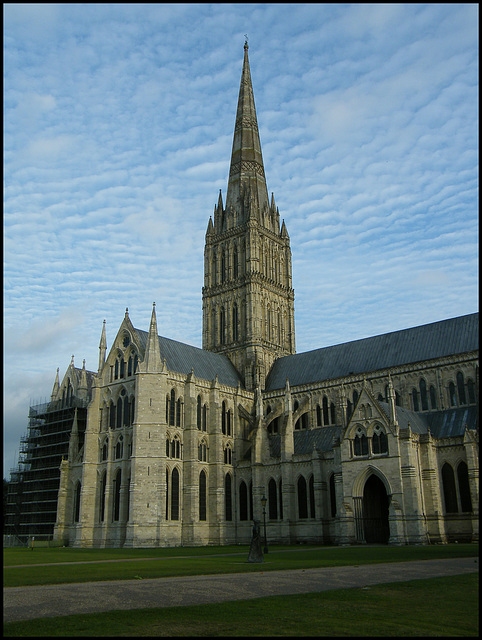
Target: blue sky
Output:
[(118, 125)]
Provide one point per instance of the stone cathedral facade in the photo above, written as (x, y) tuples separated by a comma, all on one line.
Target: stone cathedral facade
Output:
[(371, 441)]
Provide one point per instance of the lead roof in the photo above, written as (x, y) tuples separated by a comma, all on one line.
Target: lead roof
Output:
[(426, 342), (182, 358)]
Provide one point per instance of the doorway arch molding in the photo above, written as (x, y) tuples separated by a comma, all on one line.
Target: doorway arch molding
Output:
[(362, 477)]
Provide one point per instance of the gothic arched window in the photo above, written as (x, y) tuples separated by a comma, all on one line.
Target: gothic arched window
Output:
[(360, 443), (112, 415), (464, 487), (118, 422), (223, 418), (471, 391), (117, 488), (461, 388), (243, 501), (332, 496), (302, 498), (433, 397), (450, 493), (415, 399), (215, 265), (202, 496), (379, 440), (222, 326), (452, 396), (78, 490), (223, 267), (423, 394), (235, 323), (311, 487), (119, 449), (199, 412), (326, 419), (172, 408), (205, 417), (105, 450), (103, 482), (228, 455), (175, 494), (178, 412), (272, 500), (127, 413), (228, 500), (332, 413), (203, 451), (235, 262)]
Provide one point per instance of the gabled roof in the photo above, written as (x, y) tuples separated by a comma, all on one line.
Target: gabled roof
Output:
[(426, 342), (182, 358)]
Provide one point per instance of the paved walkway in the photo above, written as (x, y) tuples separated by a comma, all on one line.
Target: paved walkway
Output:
[(23, 603)]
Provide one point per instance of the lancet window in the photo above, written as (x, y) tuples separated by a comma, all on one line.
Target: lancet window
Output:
[(117, 491), (77, 494), (360, 443), (203, 451), (228, 455), (103, 482), (379, 440), (225, 420), (243, 501), (202, 496), (201, 415), (173, 409), (228, 497)]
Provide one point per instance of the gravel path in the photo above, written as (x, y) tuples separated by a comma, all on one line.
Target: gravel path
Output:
[(22, 603)]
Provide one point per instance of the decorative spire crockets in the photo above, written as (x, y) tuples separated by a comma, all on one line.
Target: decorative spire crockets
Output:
[(247, 182)]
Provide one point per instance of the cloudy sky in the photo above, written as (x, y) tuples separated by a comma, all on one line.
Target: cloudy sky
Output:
[(118, 125)]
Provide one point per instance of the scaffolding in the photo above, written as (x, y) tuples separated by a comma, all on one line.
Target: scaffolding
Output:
[(31, 508)]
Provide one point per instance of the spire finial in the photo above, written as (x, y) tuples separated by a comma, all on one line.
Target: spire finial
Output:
[(246, 41)]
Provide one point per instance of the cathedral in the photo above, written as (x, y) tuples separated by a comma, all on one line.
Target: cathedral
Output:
[(370, 441)]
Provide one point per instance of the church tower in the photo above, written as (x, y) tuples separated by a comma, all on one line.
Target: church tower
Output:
[(248, 300)]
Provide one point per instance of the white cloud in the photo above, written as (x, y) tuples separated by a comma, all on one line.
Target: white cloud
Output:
[(118, 134)]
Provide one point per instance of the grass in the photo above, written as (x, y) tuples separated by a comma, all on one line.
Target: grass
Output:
[(429, 607), (159, 563)]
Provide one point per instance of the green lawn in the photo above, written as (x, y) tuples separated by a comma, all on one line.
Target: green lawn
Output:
[(419, 608), (158, 563)]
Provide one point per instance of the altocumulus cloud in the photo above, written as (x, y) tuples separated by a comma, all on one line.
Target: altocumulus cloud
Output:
[(118, 133)]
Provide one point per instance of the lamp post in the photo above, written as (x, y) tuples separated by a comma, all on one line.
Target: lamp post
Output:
[(263, 503)]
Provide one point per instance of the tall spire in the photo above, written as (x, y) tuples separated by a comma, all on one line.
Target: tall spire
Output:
[(246, 175)]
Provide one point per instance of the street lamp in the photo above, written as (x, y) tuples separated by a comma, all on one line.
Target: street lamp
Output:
[(263, 504)]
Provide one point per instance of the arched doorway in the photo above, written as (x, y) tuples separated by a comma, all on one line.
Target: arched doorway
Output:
[(375, 511)]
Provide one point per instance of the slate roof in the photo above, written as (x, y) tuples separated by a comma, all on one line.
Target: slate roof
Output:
[(181, 358), (426, 342), (452, 422), (307, 440)]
